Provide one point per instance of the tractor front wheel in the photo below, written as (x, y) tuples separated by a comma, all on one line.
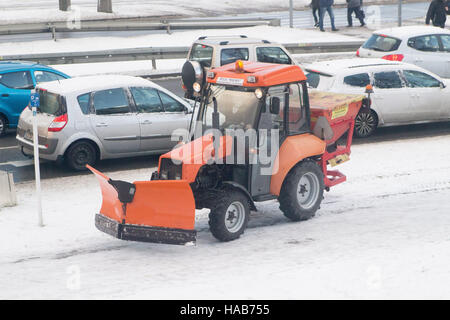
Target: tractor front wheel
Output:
[(302, 191), (229, 215)]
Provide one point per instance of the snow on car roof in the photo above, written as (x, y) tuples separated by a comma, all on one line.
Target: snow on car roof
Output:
[(334, 66), (93, 83), (411, 31), (229, 40)]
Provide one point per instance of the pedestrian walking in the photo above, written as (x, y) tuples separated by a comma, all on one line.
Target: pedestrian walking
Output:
[(437, 13), (354, 6), (326, 6), (315, 5)]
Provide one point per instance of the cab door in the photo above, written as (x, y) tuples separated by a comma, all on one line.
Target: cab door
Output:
[(115, 122), (271, 133)]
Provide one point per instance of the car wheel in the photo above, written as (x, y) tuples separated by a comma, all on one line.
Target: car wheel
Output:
[(3, 125), (366, 123), (80, 154), (302, 191), (229, 215)]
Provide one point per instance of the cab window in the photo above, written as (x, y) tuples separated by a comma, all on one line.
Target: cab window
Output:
[(230, 55), (387, 80), (17, 80), (201, 53), (357, 80), (272, 55), (297, 119), (417, 79), (111, 101)]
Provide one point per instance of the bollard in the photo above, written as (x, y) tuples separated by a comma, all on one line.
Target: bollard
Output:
[(64, 5), (7, 190), (104, 6)]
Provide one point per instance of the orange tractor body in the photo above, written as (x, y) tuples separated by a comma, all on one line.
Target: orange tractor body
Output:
[(270, 101)]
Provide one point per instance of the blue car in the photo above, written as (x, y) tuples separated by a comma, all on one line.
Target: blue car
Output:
[(17, 78)]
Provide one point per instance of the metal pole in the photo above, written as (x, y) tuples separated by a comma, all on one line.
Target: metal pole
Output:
[(291, 13), (36, 165), (399, 13)]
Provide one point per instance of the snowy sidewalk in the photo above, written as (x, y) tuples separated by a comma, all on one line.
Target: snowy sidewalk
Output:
[(382, 234), (176, 39)]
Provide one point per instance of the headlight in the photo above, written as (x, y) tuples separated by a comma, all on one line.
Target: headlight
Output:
[(258, 93), (197, 87)]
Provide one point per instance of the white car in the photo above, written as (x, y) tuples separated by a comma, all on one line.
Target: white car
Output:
[(85, 119), (425, 46), (402, 93)]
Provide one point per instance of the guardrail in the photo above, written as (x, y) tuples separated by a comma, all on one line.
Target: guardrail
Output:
[(132, 24), (153, 53)]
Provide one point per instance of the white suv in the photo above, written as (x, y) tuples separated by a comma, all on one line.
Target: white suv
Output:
[(214, 52)]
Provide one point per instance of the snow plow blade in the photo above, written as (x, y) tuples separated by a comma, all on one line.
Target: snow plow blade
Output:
[(160, 211)]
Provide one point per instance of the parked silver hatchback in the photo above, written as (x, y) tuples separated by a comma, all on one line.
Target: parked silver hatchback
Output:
[(84, 119)]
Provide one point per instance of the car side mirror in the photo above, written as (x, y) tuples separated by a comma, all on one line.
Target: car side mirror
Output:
[(442, 85), (275, 105)]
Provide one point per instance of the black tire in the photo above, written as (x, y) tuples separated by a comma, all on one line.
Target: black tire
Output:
[(229, 204), (3, 125), (366, 122), (302, 191), (80, 154)]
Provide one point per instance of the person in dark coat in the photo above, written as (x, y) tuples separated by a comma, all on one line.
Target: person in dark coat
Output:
[(437, 13), (326, 6), (315, 10), (354, 6)]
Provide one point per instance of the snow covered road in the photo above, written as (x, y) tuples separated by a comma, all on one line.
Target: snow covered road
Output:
[(385, 233)]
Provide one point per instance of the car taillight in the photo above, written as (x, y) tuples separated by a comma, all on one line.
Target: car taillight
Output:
[(58, 123), (394, 57), (357, 53)]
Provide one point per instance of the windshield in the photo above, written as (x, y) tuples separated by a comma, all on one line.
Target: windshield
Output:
[(237, 108), (50, 103), (383, 43)]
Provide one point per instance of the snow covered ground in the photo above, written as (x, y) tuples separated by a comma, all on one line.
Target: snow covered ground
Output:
[(176, 39), (28, 11), (382, 234)]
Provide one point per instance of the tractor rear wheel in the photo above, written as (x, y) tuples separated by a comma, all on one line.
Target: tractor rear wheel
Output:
[(229, 215), (302, 191)]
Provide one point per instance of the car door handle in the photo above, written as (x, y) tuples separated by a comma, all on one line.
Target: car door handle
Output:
[(5, 95), (146, 122), (102, 124)]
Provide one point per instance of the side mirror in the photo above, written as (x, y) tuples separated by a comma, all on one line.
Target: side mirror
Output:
[(442, 85), (275, 105)]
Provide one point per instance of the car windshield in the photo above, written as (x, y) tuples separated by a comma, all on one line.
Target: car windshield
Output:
[(383, 43), (237, 108), (50, 103)]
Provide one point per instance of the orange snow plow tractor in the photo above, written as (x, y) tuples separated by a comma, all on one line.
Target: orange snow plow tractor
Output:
[(258, 135)]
